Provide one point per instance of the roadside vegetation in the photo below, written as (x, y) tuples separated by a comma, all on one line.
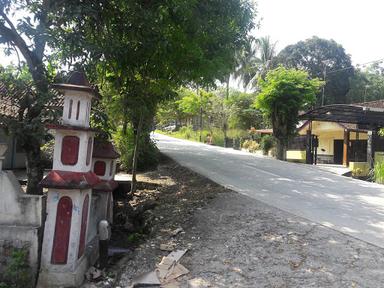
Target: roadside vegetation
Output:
[(172, 62)]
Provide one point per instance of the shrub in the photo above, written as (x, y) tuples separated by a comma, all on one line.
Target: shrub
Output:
[(47, 154), (186, 132), (251, 145), (267, 143), (236, 133), (148, 152), (378, 172), (246, 144), (17, 272)]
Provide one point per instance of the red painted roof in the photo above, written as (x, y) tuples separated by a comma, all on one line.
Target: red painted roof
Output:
[(104, 150), (78, 81), (70, 180), (70, 127), (106, 186)]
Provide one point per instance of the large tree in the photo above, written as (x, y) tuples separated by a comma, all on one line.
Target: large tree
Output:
[(146, 49), (367, 84), (28, 40), (283, 93), (323, 59)]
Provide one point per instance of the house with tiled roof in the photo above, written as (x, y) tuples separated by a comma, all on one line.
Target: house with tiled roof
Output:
[(11, 99), (15, 156), (338, 142)]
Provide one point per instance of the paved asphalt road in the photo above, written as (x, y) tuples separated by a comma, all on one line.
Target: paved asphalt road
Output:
[(351, 206)]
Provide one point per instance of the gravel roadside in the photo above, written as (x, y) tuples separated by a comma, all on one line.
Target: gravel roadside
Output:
[(235, 241)]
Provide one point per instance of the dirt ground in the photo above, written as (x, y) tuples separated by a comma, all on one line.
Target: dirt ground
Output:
[(235, 241)]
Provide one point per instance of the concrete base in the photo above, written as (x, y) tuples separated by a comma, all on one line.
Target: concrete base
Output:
[(50, 279), (53, 279)]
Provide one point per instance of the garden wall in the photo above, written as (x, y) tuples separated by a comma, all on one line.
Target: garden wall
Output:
[(21, 221)]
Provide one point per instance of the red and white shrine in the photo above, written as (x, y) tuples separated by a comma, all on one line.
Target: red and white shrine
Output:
[(104, 166), (70, 183)]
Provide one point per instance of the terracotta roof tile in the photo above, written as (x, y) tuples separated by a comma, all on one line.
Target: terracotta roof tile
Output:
[(70, 180), (104, 150)]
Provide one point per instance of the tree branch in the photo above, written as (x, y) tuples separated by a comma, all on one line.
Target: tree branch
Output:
[(13, 37)]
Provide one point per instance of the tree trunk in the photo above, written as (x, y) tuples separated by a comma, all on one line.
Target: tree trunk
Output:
[(225, 126), (225, 134), (281, 149), (136, 154), (35, 171)]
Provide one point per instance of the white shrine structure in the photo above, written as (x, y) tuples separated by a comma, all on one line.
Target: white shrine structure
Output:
[(70, 243)]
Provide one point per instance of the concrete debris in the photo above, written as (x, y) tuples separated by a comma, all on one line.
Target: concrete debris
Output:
[(165, 267), (198, 283), (169, 269), (149, 279), (177, 271), (173, 284), (117, 250), (176, 231), (176, 255), (93, 274), (166, 273), (167, 247)]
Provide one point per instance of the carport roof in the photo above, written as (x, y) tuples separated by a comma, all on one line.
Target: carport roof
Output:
[(363, 116)]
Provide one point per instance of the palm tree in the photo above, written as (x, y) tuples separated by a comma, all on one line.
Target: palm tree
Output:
[(255, 61)]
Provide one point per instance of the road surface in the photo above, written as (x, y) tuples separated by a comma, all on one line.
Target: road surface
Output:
[(351, 206)]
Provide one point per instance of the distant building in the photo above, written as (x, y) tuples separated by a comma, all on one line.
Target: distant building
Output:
[(15, 157), (344, 134)]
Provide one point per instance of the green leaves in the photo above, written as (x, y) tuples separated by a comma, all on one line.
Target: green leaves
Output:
[(284, 93), (318, 56)]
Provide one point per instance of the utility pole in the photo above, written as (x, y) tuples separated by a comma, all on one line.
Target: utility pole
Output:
[(324, 77), (201, 113)]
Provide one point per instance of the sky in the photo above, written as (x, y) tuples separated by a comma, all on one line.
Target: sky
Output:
[(355, 24)]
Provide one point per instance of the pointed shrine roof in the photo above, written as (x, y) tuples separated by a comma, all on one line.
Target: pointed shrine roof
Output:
[(70, 180), (104, 150)]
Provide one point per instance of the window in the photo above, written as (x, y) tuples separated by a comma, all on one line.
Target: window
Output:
[(99, 168), (84, 220), (78, 110), (89, 149), (70, 109), (70, 150), (62, 231)]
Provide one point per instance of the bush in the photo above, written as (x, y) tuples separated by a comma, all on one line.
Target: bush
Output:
[(378, 172), (17, 273), (186, 132), (267, 143), (246, 144), (251, 146), (47, 154), (148, 152), (236, 133)]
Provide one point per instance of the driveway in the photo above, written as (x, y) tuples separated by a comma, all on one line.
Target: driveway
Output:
[(350, 206)]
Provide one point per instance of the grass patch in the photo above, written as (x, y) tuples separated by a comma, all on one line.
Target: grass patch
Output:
[(187, 133)]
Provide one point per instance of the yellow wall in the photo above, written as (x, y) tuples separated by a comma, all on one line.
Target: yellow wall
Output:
[(359, 169), (327, 133), (297, 156)]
